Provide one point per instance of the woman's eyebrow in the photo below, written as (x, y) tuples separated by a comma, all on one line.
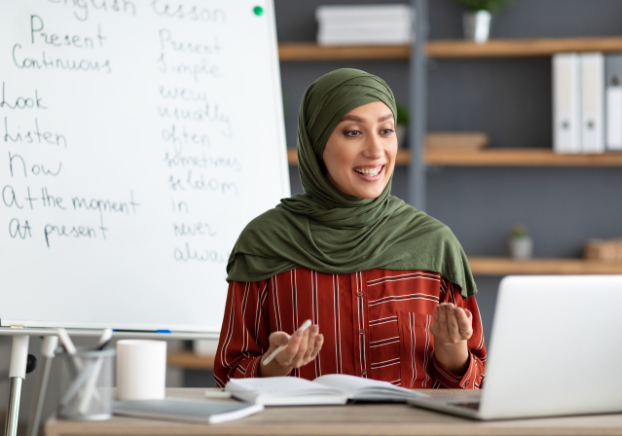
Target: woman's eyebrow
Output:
[(361, 120)]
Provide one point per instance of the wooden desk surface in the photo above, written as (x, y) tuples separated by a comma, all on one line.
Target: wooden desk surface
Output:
[(359, 420)]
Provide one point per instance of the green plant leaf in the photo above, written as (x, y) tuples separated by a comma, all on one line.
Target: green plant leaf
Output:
[(492, 6)]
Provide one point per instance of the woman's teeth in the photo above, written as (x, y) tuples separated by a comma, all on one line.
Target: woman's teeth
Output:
[(369, 172)]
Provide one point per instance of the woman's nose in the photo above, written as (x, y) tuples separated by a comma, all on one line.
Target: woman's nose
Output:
[(373, 148)]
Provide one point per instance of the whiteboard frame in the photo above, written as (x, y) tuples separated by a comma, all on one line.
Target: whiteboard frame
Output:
[(12, 327)]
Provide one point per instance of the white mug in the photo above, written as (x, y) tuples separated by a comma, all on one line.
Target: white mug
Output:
[(141, 369)]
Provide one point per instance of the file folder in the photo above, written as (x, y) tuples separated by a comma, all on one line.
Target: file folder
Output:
[(566, 103), (592, 102), (613, 95)]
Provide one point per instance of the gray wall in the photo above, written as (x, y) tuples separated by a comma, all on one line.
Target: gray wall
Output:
[(510, 100)]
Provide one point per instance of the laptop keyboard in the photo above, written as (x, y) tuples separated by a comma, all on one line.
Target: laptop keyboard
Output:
[(469, 405)]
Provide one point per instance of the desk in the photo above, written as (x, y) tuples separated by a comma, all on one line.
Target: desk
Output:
[(356, 420)]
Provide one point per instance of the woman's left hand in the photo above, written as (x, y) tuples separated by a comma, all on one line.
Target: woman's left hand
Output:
[(452, 327)]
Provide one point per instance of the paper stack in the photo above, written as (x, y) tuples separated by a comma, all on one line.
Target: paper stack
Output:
[(364, 25)]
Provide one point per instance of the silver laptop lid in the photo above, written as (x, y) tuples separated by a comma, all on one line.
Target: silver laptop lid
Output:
[(556, 347)]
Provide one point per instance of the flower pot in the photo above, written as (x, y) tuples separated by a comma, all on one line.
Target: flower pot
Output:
[(520, 248), (476, 26)]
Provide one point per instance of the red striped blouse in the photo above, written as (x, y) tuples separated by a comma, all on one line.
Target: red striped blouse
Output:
[(375, 324)]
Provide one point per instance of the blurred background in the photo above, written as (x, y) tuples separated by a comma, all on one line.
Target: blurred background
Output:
[(491, 168)]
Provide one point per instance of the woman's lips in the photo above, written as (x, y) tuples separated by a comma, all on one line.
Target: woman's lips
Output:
[(370, 173)]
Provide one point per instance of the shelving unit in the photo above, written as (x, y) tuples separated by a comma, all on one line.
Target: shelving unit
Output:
[(418, 158)]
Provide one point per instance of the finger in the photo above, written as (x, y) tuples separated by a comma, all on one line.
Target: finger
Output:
[(319, 341), (452, 324), (311, 342), (302, 349), (287, 356), (464, 324), (277, 339)]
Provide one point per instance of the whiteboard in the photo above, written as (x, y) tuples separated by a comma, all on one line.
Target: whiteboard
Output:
[(138, 138)]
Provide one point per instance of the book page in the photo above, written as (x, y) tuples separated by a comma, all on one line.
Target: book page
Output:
[(353, 385), (279, 386)]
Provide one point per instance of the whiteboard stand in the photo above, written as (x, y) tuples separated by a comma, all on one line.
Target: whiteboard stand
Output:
[(19, 360), (17, 374), (47, 352)]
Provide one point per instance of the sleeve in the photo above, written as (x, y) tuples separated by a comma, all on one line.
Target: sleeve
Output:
[(474, 375), (245, 332)]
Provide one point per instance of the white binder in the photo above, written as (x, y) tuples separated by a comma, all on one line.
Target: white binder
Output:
[(613, 96), (593, 102), (566, 103)]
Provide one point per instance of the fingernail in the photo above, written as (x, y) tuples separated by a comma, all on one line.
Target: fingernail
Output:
[(299, 333), (283, 340), (315, 328), (321, 337)]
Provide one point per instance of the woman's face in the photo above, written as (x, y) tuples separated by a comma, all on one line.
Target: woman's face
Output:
[(360, 153)]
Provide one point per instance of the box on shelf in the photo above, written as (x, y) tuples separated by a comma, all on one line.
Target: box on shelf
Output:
[(457, 141), (364, 25), (598, 249)]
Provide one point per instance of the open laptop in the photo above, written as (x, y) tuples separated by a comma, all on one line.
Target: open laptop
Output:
[(556, 349)]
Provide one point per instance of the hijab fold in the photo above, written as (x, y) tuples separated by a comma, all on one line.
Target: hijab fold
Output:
[(331, 232)]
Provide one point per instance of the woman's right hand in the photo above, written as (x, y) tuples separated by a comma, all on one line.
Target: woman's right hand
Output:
[(302, 349)]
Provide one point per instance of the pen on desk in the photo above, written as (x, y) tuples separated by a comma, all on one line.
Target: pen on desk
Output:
[(305, 325)]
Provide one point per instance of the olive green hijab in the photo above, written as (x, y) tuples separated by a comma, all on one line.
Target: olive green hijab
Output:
[(328, 231)]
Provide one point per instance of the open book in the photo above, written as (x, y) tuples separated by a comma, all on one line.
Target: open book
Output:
[(328, 389)]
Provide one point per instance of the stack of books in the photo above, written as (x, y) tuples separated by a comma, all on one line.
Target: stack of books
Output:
[(587, 102), (364, 25)]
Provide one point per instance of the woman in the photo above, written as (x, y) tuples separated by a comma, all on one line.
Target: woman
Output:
[(388, 288)]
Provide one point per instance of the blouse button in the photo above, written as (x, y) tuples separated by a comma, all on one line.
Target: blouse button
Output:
[(361, 331), (363, 371), (359, 294)]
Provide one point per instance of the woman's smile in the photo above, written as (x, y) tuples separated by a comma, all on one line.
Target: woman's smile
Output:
[(370, 173)]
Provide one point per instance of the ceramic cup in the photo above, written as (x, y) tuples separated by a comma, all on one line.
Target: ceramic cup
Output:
[(141, 369)]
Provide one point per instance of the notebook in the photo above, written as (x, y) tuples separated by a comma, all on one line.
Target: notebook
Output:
[(204, 412), (328, 389)]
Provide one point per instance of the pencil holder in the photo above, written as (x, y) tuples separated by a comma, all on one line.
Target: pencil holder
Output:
[(86, 385)]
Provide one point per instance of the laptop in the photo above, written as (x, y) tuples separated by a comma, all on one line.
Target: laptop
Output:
[(556, 349)]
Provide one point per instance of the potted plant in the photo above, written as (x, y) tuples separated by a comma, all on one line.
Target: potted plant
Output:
[(520, 243), (477, 18), (401, 126)]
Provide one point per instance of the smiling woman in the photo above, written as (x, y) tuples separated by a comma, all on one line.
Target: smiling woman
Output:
[(360, 153), (387, 287)]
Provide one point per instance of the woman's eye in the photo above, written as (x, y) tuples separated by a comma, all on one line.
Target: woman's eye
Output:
[(386, 131), (353, 132)]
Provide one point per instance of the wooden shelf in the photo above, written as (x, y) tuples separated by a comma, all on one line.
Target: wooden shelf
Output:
[(499, 266), (519, 157), (189, 360), (310, 51), (501, 157), (521, 47)]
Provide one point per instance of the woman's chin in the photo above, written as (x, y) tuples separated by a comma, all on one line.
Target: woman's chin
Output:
[(368, 192)]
